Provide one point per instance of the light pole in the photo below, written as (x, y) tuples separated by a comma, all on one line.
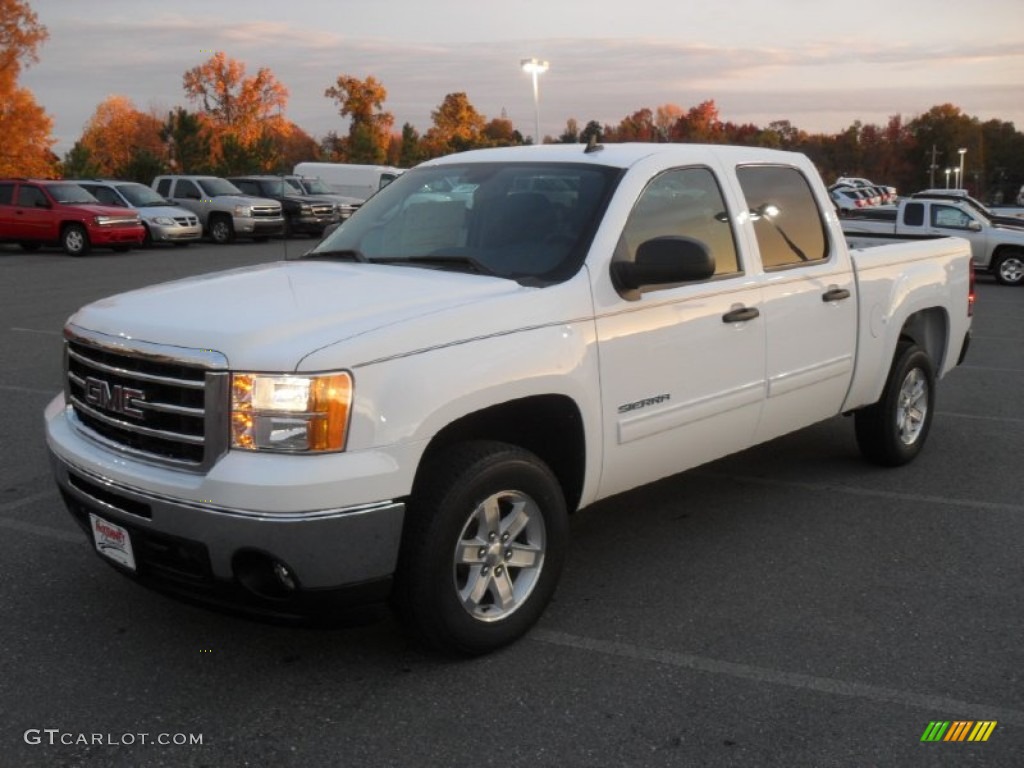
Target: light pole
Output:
[(956, 175), (948, 171), (535, 67), (963, 152)]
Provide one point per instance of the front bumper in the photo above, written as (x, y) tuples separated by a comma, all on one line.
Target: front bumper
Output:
[(100, 236), (258, 226), (204, 550), (175, 233)]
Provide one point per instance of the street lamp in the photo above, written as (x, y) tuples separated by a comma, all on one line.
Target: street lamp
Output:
[(956, 174), (962, 151), (948, 171), (535, 67)]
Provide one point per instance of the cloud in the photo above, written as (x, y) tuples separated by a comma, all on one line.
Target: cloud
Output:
[(819, 85)]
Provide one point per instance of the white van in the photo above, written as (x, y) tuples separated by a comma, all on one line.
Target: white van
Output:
[(359, 181)]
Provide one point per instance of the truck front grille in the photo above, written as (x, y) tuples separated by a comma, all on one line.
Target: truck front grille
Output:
[(323, 210), (133, 399), (266, 212)]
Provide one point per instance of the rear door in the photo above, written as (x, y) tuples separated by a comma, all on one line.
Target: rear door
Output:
[(7, 210), (809, 301), (33, 218)]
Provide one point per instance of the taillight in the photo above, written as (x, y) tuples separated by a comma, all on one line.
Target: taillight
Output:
[(970, 294)]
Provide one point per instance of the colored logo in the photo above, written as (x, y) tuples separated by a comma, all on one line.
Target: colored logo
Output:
[(959, 730)]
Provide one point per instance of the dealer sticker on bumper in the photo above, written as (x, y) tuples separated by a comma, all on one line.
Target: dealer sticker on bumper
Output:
[(112, 541)]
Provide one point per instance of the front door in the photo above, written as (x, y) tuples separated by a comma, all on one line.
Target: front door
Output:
[(682, 366)]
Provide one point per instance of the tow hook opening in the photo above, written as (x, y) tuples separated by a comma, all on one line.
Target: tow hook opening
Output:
[(264, 575)]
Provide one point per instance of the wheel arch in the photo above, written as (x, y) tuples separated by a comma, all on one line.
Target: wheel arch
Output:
[(549, 426), (928, 329)]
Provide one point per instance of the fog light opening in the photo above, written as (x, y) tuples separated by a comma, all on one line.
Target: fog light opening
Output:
[(284, 576), (264, 575)]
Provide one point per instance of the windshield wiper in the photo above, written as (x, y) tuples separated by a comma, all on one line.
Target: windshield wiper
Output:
[(442, 260), (344, 254)]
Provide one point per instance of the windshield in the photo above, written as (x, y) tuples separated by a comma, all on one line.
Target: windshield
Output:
[(279, 187), (216, 187), (529, 222), (70, 193), (316, 187), (140, 195)]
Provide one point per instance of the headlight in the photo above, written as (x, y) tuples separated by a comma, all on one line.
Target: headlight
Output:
[(103, 221), (243, 210), (164, 221), (305, 210), (291, 413)]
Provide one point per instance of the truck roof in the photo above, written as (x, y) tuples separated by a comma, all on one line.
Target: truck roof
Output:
[(622, 155)]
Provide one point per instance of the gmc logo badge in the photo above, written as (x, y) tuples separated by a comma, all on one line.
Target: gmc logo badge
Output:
[(117, 398)]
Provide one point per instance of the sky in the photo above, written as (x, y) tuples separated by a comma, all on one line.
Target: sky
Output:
[(821, 64)]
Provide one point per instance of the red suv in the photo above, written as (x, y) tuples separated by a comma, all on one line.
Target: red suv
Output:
[(36, 213)]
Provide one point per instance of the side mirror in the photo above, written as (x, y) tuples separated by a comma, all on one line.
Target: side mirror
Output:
[(43, 204), (664, 261), (974, 226)]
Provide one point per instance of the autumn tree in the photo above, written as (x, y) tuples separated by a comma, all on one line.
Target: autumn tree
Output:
[(239, 110), (24, 125), (123, 141), (457, 126), (369, 134)]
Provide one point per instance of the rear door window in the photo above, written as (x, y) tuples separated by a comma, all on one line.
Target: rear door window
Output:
[(788, 225), (6, 194)]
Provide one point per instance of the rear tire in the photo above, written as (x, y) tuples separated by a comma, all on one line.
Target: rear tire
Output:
[(1009, 268), (893, 431), (74, 240), (483, 546)]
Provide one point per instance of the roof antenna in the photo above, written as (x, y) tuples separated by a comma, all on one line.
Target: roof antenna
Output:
[(592, 145)]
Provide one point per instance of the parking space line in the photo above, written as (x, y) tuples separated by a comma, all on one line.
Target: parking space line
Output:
[(947, 501), (1004, 419), (10, 506), (42, 530), (36, 330), (775, 677), (991, 368), (37, 530), (30, 390)]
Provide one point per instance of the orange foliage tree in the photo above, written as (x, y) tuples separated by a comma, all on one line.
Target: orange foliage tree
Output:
[(369, 132), (24, 126), (241, 113), (118, 133)]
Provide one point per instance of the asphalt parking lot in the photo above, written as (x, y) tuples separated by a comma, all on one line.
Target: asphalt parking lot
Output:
[(787, 606)]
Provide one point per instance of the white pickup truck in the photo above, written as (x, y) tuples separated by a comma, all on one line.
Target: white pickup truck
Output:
[(997, 243), (412, 409)]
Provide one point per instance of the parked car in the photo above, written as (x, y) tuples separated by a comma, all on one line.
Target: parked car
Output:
[(846, 199), (314, 185), (36, 212), (164, 221), (303, 214), (223, 209)]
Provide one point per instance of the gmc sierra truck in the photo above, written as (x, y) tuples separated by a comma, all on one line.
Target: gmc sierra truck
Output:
[(411, 409)]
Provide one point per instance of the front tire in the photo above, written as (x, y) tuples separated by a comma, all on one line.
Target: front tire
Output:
[(222, 231), (1009, 268), (482, 549), (893, 431), (74, 240)]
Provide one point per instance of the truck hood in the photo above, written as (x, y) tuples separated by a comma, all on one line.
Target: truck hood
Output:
[(271, 316)]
